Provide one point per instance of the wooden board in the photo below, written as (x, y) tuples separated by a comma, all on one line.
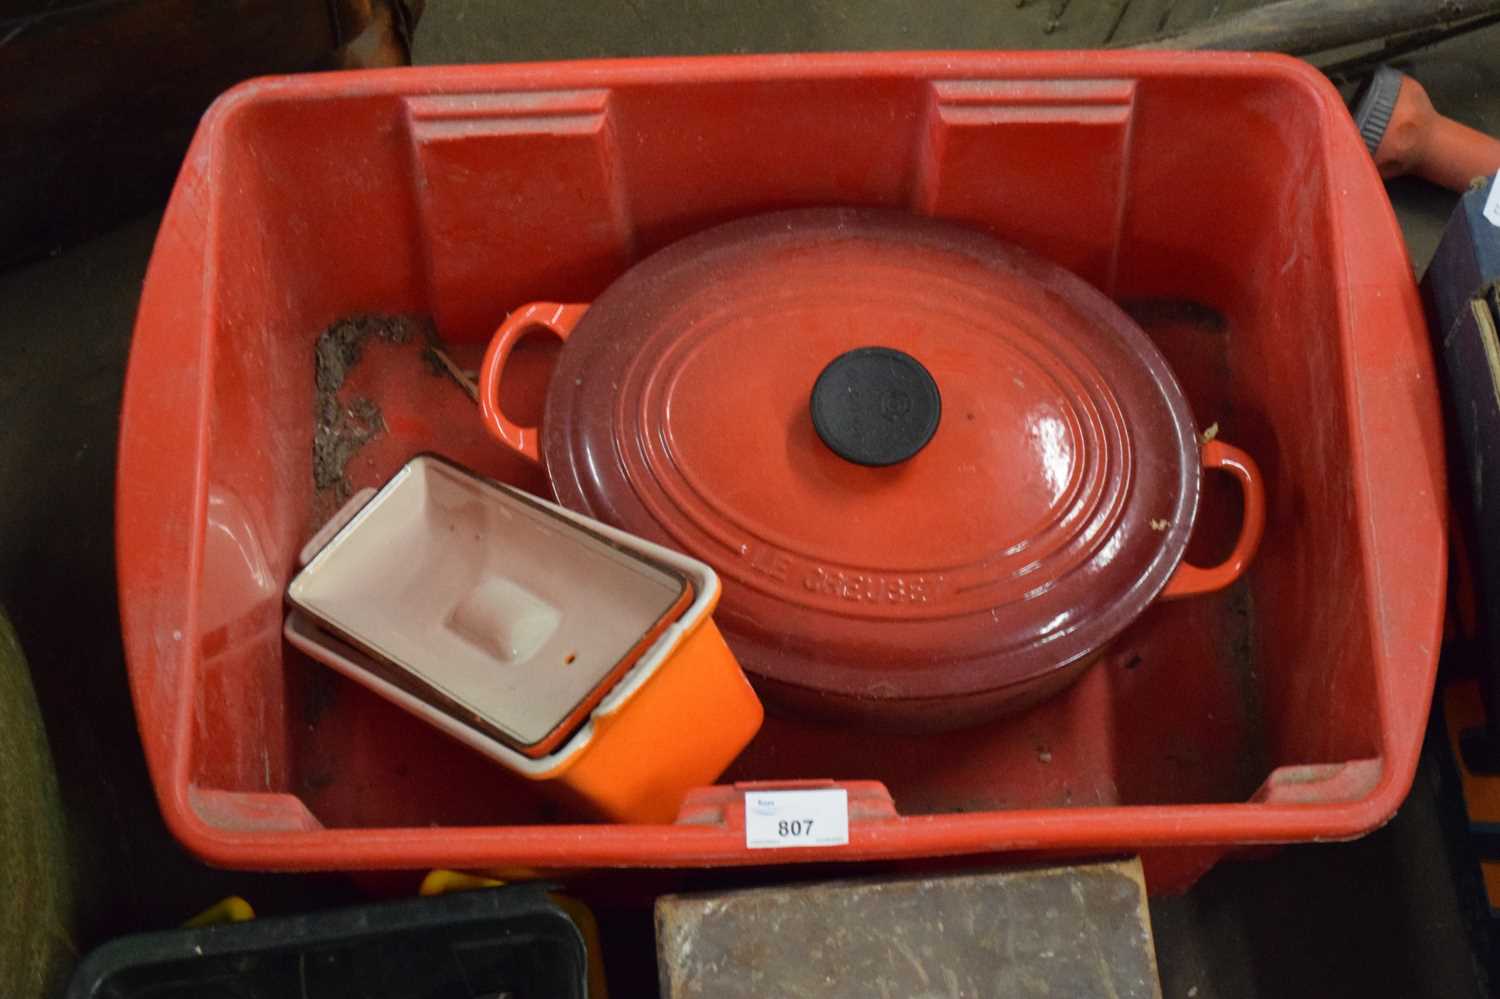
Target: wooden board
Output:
[(1079, 932)]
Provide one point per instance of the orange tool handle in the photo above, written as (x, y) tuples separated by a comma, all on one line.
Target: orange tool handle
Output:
[(1420, 140), (559, 320), (1455, 154), (1191, 580)]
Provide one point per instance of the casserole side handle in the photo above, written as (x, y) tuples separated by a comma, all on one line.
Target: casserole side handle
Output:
[(1191, 580), (557, 319)]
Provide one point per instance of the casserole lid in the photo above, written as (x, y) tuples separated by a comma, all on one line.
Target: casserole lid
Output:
[(923, 461)]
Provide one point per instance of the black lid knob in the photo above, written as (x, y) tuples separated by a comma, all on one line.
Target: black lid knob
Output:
[(875, 406)]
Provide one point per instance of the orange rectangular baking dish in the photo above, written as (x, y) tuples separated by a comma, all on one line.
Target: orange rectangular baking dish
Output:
[(561, 648)]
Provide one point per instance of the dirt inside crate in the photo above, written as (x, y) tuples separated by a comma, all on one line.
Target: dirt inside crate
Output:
[(1171, 714), (345, 421)]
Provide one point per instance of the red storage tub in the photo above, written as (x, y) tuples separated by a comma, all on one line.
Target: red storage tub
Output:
[(1225, 200)]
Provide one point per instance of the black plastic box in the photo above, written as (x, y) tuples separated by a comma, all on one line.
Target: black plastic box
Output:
[(505, 943)]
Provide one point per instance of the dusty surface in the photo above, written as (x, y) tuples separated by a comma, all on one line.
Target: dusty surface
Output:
[(345, 423), (1078, 932)]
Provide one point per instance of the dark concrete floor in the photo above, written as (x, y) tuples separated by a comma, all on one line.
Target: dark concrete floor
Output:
[(482, 31), (1378, 917)]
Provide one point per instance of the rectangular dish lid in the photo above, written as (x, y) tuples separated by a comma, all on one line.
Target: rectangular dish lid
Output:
[(487, 605)]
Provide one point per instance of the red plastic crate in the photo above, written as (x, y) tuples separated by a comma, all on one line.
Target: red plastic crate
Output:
[(1226, 200)]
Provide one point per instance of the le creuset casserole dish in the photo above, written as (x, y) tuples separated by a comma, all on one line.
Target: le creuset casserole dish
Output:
[(936, 473)]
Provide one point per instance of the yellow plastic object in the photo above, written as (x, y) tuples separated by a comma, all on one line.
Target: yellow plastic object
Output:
[(228, 910), (441, 882)]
